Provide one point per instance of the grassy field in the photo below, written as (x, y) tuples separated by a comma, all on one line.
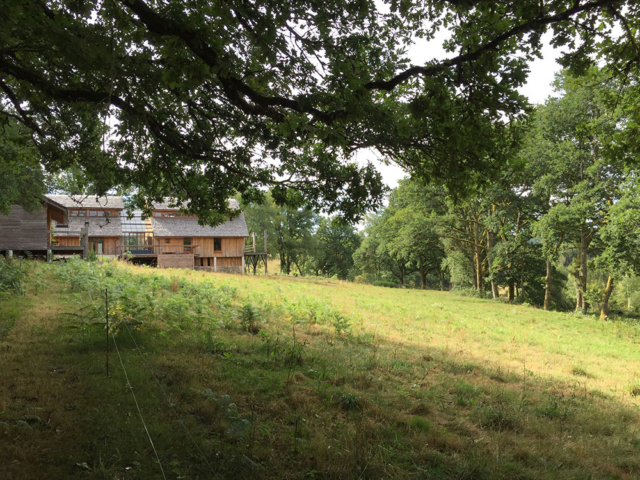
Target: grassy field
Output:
[(254, 377)]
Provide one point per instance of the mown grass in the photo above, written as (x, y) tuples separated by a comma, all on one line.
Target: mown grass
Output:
[(292, 378)]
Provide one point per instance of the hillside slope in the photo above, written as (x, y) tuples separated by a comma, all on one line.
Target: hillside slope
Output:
[(253, 377)]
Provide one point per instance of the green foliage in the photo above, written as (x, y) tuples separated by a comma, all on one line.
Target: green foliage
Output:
[(337, 243), (21, 174), (12, 277), (385, 283), (149, 300), (349, 401), (250, 318), (221, 90)]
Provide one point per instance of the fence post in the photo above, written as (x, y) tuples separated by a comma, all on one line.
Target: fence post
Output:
[(266, 269), (106, 301)]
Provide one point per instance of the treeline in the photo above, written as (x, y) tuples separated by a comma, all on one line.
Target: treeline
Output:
[(559, 227), (304, 242)]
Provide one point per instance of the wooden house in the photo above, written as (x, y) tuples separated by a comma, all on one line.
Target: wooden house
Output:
[(167, 239), (21, 231), (103, 214), (221, 248)]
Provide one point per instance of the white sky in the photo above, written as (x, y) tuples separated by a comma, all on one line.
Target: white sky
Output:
[(537, 89)]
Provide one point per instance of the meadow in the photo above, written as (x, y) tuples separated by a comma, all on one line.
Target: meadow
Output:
[(281, 377)]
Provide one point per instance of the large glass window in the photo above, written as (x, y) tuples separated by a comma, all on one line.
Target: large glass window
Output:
[(187, 245), (217, 244)]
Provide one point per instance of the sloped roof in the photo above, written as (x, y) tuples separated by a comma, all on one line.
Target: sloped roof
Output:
[(188, 227), (98, 227), (112, 201), (88, 201), (168, 200)]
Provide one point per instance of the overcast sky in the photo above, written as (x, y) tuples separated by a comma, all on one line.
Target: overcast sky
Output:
[(537, 89)]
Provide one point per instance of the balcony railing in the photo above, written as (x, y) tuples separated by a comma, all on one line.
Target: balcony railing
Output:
[(159, 249)]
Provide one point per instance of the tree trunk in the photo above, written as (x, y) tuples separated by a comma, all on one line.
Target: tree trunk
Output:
[(441, 271), (478, 269), (495, 293), (547, 286), (578, 292), (474, 276), (584, 245), (423, 275), (604, 309), (510, 295)]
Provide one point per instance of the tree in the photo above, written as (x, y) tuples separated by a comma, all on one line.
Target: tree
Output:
[(337, 242), (621, 237), (202, 99), (289, 231), (21, 175), (574, 170), (414, 230)]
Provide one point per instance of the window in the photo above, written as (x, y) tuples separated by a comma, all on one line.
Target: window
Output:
[(187, 245), (157, 214), (217, 244), (93, 213), (100, 213), (78, 213)]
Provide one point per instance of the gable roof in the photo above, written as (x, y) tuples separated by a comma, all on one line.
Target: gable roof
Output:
[(189, 227), (88, 201)]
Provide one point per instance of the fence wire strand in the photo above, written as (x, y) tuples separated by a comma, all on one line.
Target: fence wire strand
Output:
[(138, 406), (195, 444)]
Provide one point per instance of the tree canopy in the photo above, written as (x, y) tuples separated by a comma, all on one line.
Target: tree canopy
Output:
[(201, 99)]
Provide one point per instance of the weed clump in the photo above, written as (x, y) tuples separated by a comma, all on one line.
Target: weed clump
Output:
[(250, 319), (634, 390), (349, 401), (419, 423), (580, 372), (497, 418)]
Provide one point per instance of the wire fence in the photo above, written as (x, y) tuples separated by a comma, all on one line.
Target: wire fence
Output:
[(164, 393)]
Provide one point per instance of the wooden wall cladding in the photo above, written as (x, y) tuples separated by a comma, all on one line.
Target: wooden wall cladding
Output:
[(231, 247), (21, 230), (175, 261)]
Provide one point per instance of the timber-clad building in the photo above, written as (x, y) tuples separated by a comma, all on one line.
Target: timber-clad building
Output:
[(168, 238)]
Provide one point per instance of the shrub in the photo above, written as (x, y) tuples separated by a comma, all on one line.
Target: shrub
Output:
[(250, 318), (11, 277), (349, 401)]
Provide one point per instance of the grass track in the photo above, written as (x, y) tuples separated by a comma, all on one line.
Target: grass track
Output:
[(418, 383)]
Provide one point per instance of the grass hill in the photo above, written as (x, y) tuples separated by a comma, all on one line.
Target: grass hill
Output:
[(254, 377)]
